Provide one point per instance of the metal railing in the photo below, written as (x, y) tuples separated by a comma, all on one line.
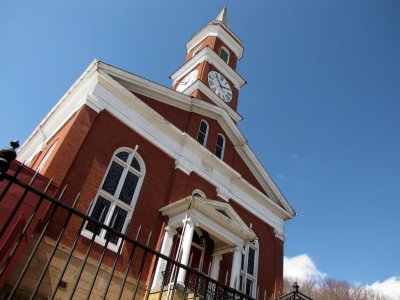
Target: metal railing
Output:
[(43, 254), (295, 294)]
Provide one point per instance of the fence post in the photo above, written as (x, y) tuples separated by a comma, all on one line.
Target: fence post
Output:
[(7, 155)]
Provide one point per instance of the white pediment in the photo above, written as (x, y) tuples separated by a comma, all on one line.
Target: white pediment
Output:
[(226, 210), (98, 89), (218, 218)]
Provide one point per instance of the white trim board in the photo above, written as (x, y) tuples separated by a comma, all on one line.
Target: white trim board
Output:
[(221, 31), (187, 151), (172, 97), (199, 85), (207, 54), (108, 94)]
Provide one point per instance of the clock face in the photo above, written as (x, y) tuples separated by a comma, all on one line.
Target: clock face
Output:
[(188, 80), (220, 86)]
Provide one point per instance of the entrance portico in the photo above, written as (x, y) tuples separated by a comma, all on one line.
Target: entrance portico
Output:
[(224, 226)]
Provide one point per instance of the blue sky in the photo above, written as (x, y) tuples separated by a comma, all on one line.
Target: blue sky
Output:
[(321, 104)]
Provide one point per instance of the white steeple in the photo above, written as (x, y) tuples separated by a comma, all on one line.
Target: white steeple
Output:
[(223, 17)]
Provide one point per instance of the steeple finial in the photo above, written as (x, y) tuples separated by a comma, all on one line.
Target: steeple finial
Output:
[(223, 16)]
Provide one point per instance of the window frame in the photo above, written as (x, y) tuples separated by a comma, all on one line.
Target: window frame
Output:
[(205, 134), (46, 157), (224, 49), (222, 148), (199, 192), (244, 276), (197, 50), (114, 199)]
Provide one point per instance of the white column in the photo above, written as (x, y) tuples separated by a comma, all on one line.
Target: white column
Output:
[(216, 259), (235, 271), (166, 248), (188, 230)]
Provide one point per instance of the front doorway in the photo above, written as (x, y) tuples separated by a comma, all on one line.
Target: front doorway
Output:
[(197, 250), (198, 246)]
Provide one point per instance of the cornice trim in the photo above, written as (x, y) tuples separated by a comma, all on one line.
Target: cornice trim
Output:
[(110, 95), (207, 54), (166, 95), (220, 32), (199, 85)]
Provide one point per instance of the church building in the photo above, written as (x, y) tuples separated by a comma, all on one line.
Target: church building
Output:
[(170, 161)]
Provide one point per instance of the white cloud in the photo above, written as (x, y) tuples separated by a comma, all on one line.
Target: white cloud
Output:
[(301, 268), (390, 287), (281, 176)]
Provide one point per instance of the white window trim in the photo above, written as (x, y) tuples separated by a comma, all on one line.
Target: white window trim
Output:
[(223, 146), (200, 192), (227, 51), (46, 156), (114, 201), (246, 275), (197, 50), (206, 136)]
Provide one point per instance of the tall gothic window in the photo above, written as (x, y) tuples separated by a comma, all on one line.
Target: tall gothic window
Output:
[(224, 54), (220, 146), (248, 271), (203, 132), (117, 196)]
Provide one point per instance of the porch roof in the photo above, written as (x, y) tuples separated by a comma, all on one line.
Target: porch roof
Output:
[(216, 217)]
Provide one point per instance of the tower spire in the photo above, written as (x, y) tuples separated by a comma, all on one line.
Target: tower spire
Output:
[(223, 16)]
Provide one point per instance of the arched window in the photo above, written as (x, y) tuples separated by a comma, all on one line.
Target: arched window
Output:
[(199, 193), (117, 196), (224, 54), (249, 269), (203, 132), (197, 50), (220, 146), (46, 157)]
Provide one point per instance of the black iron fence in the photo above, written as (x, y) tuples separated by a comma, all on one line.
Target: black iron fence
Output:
[(43, 254), (295, 294)]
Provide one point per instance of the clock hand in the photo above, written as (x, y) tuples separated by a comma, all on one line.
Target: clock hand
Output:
[(220, 84)]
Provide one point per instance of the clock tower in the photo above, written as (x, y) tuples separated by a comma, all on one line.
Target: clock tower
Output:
[(209, 72)]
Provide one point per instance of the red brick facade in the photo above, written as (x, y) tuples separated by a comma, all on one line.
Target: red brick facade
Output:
[(91, 141), (85, 144)]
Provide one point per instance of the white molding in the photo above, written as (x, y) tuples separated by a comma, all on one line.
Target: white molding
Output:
[(171, 97), (259, 172), (199, 85), (200, 192), (101, 241), (207, 54), (65, 108), (221, 33), (223, 193), (244, 273), (129, 109), (46, 157), (166, 95), (93, 104), (181, 165), (197, 50), (280, 234), (114, 200), (200, 208)]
